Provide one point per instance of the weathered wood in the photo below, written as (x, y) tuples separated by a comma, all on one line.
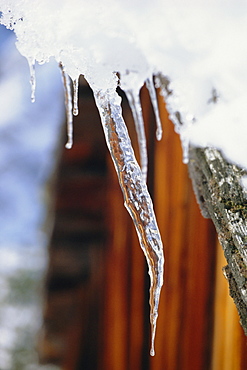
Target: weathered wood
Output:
[(228, 335), (221, 196)]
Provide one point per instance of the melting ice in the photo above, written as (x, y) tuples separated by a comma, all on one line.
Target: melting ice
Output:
[(75, 96), (68, 105), (136, 197), (31, 63), (192, 49), (135, 105)]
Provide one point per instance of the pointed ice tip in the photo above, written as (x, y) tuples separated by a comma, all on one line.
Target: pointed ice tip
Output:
[(159, 134), (68, 145), (33, 94), (185, 156), (152, 352), (75, 111)]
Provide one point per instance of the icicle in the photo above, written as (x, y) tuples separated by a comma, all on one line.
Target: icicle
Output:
[(163, 83), (135, 105), (136, 197), (68, 105), (152, 93), (181, 124), (75, 96), (185, 146), (31, 63)]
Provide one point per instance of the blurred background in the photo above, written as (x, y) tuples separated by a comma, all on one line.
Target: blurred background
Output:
[(74, 285)]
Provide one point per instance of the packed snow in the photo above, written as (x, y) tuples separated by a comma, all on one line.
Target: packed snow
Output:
[(200, 46)]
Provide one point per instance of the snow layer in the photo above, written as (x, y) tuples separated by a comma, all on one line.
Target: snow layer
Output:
[(200, 46)]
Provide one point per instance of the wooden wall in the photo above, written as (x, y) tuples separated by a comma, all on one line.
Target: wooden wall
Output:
[(96, 314)]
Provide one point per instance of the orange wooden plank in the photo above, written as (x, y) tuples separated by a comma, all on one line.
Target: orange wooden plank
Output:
[(182, 323)]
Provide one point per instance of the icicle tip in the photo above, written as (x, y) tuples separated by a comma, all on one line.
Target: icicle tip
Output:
[(68, 145), (159, 133)]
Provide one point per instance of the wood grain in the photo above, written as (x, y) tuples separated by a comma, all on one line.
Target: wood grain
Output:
[(94, 242)]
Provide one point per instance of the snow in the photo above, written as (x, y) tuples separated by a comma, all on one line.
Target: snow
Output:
[(199, 45), (225, 126)]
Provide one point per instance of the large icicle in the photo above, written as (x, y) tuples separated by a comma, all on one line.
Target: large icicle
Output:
[(136, 197), (135, 105), (68, 105)]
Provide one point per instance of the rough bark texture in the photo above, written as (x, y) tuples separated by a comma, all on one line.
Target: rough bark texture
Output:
[(217, 185)]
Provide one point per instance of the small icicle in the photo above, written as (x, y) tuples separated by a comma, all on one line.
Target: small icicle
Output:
[(136, 197), (153, 97), (135, 105), (185, 147), (68, 105), (182, 122), (75, 96), (31, 63)]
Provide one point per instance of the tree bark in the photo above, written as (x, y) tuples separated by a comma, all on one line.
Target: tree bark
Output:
[(221, 196)]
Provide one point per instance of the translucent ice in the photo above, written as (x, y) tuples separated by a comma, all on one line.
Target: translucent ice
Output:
[(68, 106), (136, 197), (31, 63), (152, 93), (135, 105), (75, 96)]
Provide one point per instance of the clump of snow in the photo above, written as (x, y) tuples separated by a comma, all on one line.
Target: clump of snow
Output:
[(200, 46)]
